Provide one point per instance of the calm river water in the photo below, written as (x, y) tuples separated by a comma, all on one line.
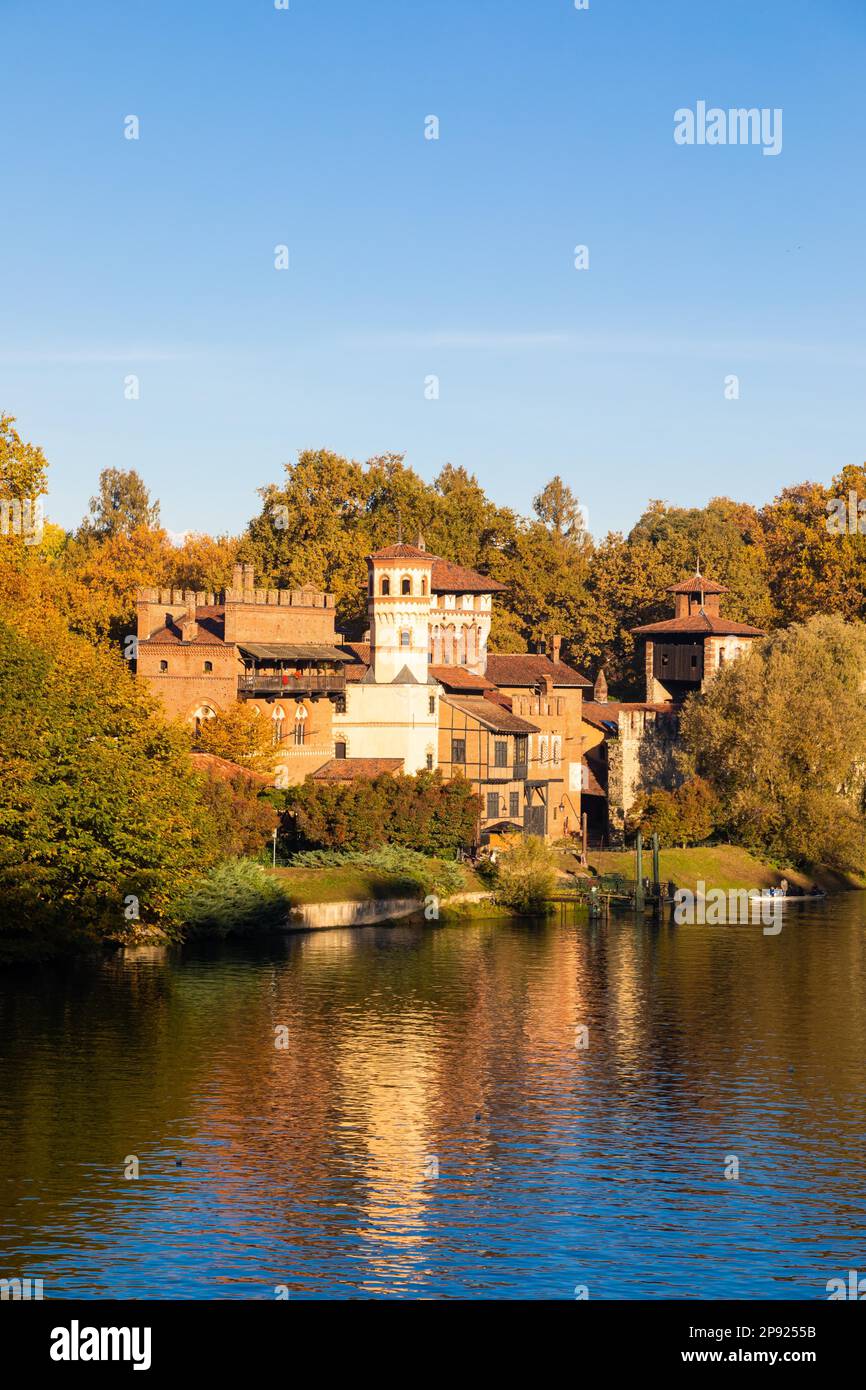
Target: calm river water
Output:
[(416, 1049)]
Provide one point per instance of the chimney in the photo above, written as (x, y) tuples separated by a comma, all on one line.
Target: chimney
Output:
[(249, 577), (600, 689), (419, 544), (541, 648), (555, 647), (190, 626), (237, 577)]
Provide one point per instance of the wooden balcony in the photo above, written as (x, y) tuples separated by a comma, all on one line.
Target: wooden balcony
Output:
[(264, 684)]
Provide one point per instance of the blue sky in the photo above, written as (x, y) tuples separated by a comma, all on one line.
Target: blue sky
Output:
[(410, 258)]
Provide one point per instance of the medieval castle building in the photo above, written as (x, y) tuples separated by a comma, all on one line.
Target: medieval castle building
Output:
[(424, 692)]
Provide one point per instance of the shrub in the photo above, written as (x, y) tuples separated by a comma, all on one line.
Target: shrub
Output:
[(236, 897), (526, 875), (687, 816)]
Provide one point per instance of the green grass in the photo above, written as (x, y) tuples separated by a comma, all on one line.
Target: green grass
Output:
[(352, 883), (720, 866)]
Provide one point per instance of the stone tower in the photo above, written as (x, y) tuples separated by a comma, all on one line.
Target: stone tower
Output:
[(398, 607)]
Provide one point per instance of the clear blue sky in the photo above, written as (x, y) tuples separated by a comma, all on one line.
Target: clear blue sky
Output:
[(412, 257)]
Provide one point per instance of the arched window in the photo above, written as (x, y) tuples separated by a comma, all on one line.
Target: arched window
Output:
[(405, 585), (386, 585), (200, 717), (279, 718), (300, 731), (405, 638), (424, 586)]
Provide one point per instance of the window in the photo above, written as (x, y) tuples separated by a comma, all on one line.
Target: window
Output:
[(208, 666), (423, 586), (386, 586), (300, 730), (340, 748), (458, 750), (279, 721), (721, 656), (542, 748), (431, 706), (405, 586), (492, 805), (500, 752), (203, 713), (429, 762), (514, 805), (405, 639), (555, 754), (163, 666)]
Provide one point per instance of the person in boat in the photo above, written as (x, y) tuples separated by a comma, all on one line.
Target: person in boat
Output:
[(783, 888)]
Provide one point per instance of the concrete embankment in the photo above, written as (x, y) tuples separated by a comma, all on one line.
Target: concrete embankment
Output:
[(316, 916)]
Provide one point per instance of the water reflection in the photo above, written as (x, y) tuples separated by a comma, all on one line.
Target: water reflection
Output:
[(412, 1048)]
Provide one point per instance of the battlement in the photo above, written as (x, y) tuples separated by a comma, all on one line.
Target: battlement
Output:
[(283, 598)]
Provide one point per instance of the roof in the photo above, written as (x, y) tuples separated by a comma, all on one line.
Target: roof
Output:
[(698, 584), (347, 769), (590, 785), (702, 625), (524, 668), (291, 651), (225, 770), (401, 552), (457, 678), (605, 715), (211, 628), (457, 579), (494, 717)]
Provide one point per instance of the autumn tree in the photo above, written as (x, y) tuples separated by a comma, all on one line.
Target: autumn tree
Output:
[(240, 735)]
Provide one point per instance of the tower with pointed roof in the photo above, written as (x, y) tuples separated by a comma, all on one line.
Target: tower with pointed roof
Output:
[(685, 651)]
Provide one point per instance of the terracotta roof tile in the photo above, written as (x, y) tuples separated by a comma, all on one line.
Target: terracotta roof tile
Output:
[(697, 584), (458, 678), (347, 769), (448, 578), (526, 668), (701, 624), (491, 715)]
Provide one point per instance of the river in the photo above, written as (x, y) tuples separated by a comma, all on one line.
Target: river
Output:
[(408, 1111)]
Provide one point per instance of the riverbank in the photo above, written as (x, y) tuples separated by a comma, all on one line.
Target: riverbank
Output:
[(719, 866)]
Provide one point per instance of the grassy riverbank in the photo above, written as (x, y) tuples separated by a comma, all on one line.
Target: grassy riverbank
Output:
[(353, 883), (719, 866)]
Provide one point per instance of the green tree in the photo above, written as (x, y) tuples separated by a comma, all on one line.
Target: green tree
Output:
[(99, 814), (121, 506), (781, 738)]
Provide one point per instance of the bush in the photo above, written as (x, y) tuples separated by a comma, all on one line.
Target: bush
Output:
[(419, 812), (235, 898), (442, 877), (526, 875)]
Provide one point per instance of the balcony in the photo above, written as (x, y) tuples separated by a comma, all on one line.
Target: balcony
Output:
[(264, 684)]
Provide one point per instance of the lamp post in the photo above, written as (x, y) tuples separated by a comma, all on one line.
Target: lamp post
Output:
[(275, 846)]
